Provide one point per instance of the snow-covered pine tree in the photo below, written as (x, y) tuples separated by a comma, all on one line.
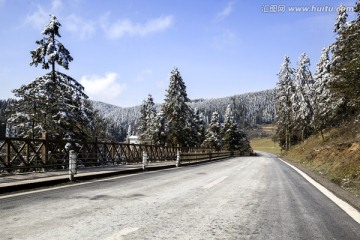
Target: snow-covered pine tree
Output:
[(147, 128), (141, 125), (177, 112), (341, 19), (303, 98), (346, 61), (229, 130), (326, 104), (284, 109), (213, 133), (233, 139), (55, 102), (161, 129), (197, 129)]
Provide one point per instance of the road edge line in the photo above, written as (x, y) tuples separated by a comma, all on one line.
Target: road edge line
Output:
[(351, 211)]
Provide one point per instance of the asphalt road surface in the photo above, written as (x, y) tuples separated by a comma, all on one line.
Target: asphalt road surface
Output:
[(240, 198)]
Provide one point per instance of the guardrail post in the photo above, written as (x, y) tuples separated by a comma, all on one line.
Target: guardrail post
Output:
[(178, 158), (145, 160), (44, 152), (72, 165)]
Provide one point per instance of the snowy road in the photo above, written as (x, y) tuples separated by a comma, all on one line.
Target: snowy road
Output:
[(241, 198)]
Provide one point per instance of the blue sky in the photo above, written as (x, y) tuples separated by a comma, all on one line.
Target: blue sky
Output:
[(124, 50)]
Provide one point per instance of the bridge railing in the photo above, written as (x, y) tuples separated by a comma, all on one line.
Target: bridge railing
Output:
[(29, 155)]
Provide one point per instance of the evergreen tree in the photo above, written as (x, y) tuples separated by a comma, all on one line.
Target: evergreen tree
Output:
[(3, 119), (161, 129), (147, 128), (198, 128), (341, 19), (177, 111), (55, 102), (213, 133), (229, 130), (303, 98), (346, 60), (326, 104), (284, 105)]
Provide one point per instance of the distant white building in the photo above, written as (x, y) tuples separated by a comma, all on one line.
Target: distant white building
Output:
[(134, 140)]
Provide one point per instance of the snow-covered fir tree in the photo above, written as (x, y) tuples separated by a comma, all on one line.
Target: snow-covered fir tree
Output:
[(4, 104), (303, 98), (161, 129), (341, 19), (229, 131), (326, 104), (54, 103), (284, 107), (233, 139), (346, 61), (177, 112), (213, 134), (147, 126), (198, 128)]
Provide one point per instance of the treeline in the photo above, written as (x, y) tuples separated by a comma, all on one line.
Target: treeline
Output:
[(307, 103), (3, 106), (249, 109), (176, 123)]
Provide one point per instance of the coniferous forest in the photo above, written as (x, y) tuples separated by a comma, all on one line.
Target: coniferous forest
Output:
[(308, 103)]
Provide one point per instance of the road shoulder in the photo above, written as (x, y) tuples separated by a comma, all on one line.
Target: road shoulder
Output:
[(341, 193)]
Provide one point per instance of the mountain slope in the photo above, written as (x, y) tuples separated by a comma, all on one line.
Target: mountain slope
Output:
[(249, 109)]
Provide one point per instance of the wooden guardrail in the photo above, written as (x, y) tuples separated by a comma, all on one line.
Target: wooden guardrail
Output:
[(24, 155)]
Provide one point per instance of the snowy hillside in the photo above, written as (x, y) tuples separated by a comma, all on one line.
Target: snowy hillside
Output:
[(249, 109)]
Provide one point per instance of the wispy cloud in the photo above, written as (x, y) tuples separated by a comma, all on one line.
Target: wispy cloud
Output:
[(226, 40), (225, 12), (143, 75), (127, 27), (103, 88), (56, 4), (40, 17), (82, 28), (72, 23)]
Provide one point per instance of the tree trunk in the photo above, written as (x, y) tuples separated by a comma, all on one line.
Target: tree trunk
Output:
[(322, 135)]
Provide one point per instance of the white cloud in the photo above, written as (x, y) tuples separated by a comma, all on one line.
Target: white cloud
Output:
[(226, 11), (227, 40), (143, 75), (40, 17), (56, 4), (83, 29), (127, 27), (103, 88), (72, 23)]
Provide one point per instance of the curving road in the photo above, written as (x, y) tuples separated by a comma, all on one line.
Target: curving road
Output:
[(240, 198)]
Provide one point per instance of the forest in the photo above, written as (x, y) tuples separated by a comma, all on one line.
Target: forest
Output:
[(250, 110), (310, 103)]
